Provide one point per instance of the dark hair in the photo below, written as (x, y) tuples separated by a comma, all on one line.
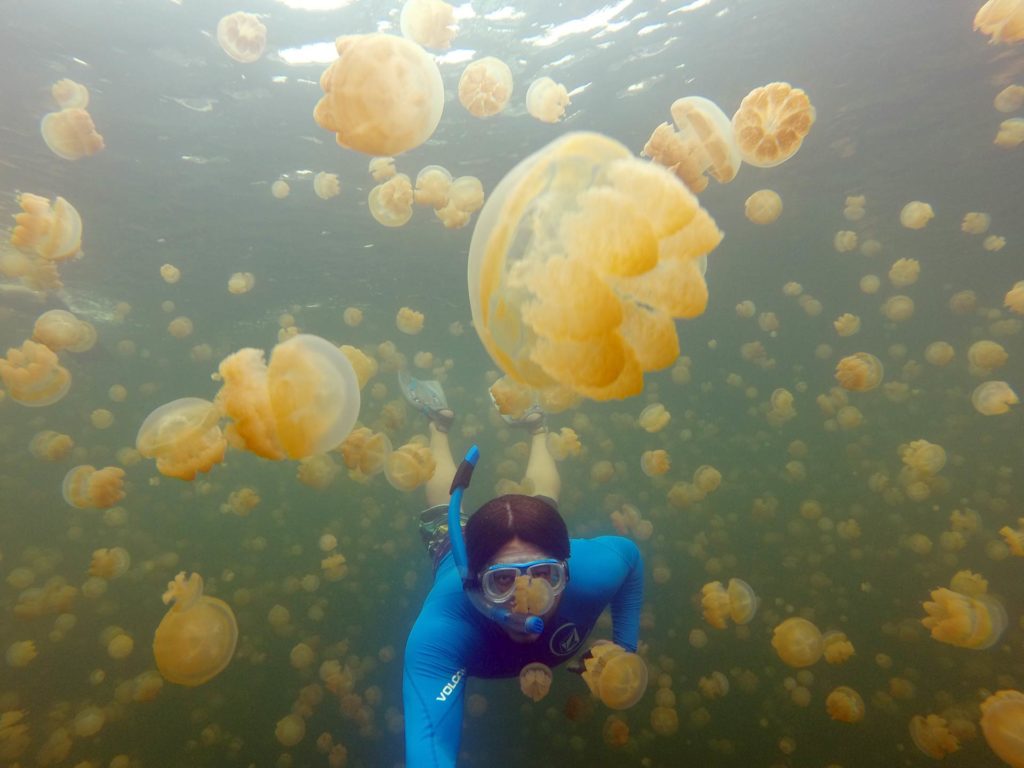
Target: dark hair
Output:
[(502, 519)]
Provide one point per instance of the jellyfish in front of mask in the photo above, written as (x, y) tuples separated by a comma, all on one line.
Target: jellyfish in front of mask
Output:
[(535, 680), (615, 675)]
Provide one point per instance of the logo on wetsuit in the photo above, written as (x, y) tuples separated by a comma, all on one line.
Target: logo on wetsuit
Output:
[(565, 640), (451, 685)]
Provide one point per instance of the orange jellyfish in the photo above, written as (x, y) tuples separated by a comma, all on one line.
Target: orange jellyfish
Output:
[(241, 282), (654, 418), (86, 487), (52, 230), (485, 86), (432, 185), (992, 398), (33, 376), (615, 675), (1002, 722), (69, 94), (975, 223), (304, 402), (655, 463), (845, 705), (242, 36), (771, 124), (932, 736), (702, 145), (383, 96), (763, 207), (431, 23), (595, 312), (466, 193), (719, 604), (109, 563), (409, 466), (986, 356), (1001, 20), (859, 372), (535, 680), (916, 215), (546, 100), (797, 642), (1010, 99), (50, 446), (966, 622), (196, 637), (326, 185), (71, 134), (409, 321), (184, 438), (837, 647), (1014, 537), (391, 202)]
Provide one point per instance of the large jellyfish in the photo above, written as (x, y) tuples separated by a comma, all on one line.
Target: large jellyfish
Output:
[(581, 259)]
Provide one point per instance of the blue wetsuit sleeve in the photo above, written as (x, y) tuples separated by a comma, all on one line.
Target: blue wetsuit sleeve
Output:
[(433, 684), (629, 598)]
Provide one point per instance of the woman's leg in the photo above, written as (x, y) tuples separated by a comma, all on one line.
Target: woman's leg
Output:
[(440, 484), (541, 468)]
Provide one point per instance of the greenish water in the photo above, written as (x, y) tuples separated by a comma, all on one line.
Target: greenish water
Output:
[(903, 93)]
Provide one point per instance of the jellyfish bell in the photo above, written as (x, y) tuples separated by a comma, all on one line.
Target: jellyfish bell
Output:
[(916, 215), (535, 680), (71, 134), (546, 100), (52, 230), (33, 376), (992, 398), (1001, 20), (432, 185), (771, 124), (931, 735), (743, 603), (797, 642), (67, 93), (485, 86), (859, 372), (242, 36), (763, 207), (616, 676), (391, 202), (183, 436), (326, 185), (1002, 722), (702, 145), (431, 23)]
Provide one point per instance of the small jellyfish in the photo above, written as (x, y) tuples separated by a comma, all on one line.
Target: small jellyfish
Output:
[(352, 316), (985, 356), (485, 86), (932, 736), (280, 189), (110, 563), (743, 603), (409, 467), (241, 282), (535, 681), (290, 730), (859, 372), (763, 207), (845, 241), (59, 329), (52, 230), (170, 274), (1011, 133), (1002, 722), (915, 215), (48, 445), (71, 134), (975, 223), (432, 186), (898, 308), (993, 243), (546, 100), (466, 194), (242, 36), (391, 202), (1010, 99), (992, 398), (382, 96), (845, 705), (846, 324), (797, 642), (702, 145), (409, 321), (326, 185), (653, 418), (86, 487), (771, 124), (382, 168), (431, 23), (837, 647), (69, 94), (904, 272), (655, 463), (616, 676), (184, 438), (196, 637)]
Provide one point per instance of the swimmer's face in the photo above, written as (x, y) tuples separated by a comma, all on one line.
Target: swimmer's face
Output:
[(519, 551)]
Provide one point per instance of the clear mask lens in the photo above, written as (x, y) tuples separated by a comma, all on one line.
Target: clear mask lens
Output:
[(499, 581)]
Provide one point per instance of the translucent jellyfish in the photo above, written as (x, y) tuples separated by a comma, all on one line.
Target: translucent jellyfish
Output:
[(485, 86), (564, 443), (1002, 722), (992, 398), (845, 705), (242, 36), (120, 646), (932, 736), (352, 316), (183, 436), (382, 168), (915, 215), (615, 732), (986, 356), (466, 194), (771, 124), (326, 185), (71, 134), (52, 231), (431, 23), (241, 282), (170, 274), (719, 604), (20, 653), (1011, 133), (714, 686), (975, 223), (614, 675), (653, 418), (303, 403), (280, 189), (409, 321), (432, 185), (845, 241), (196, 637), (655, 463), (366, 451), (579, 262), (837, 648), (391, 202), (964, 621), (546, 100), (69, 94), (1010, 99), (763, 207), (1002, 20), (290, 730), (535, 681), (702, 145), (859, 372), (86, 487), (898, 309), (33, 376), (904, 272), (409, 467), (50, 446), (846, 324), (59, 329), (797, 642), (383, 96), (109, 563), (706, 478), (1014, 537), (664, 721), (993, 243)]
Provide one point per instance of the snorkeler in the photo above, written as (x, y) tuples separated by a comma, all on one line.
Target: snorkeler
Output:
[(510, 589)]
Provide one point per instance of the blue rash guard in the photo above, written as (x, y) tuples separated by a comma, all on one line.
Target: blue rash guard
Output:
[(452, 640)]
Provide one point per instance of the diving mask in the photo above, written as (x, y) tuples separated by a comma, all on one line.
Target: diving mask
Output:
[(532, 586)]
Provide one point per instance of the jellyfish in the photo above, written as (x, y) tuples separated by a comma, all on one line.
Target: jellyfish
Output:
[(859, 372), (615, 732), (1002, 722), (763, 207), (616, 676), (845, 241), (364, 365), (546, 100), (431, 23), (1014, 537), (653, 418), (975, 223), (59, 329), (352, 316), (52, 230), (797, 642), (290, 730), (86, 487), (655, 463), (196, 637), (706, 478), (939, 353), (184, 438), (771, 124), (713, 686), (170, 274), (33, 376), (71, 133), (241, 282), (432, 185), (1011, 133), (915, 215), (48, 445), (931, 735), (564, 443), (409, 321), (845, 705), (409, 467), (837, 648), (993, 243), (383, 96), (1002, 20), (109, 563), (391, 202), (382, 168), (964, 621), (664, 721), (592, 309), (21, 653), (904, 272), (535, 681), (303, 403), (326, 185), (846, 324), (485, 86), (242, 36), (1010, 99), (466, 193), (71, 95), (898, 308), (703, 144), (992, 398), (986, 356)]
